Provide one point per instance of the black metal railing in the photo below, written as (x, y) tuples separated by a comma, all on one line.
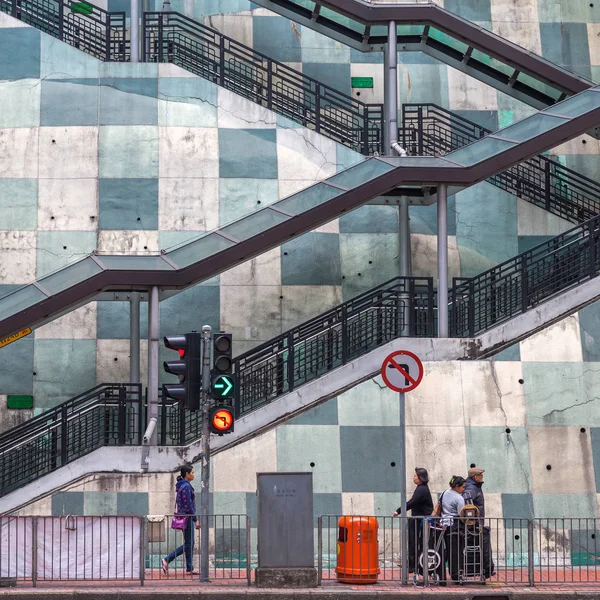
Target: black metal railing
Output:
[(107, 415), (402, 306), (431, 130), (523, 282), (173, 37), (78, 23)]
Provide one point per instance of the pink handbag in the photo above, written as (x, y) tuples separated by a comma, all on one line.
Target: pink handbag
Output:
[(179, 521)]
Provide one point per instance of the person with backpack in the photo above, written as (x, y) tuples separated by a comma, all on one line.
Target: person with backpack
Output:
[(474, 494), (452, 502)]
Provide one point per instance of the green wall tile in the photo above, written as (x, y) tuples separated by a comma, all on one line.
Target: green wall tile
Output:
[(17, 367), (24, 63), (128, 151), (248, 153), (128, 204), (128, 101), (516, 506), (80, 109), (367, 453), (276, 38), (311, 259), (299, 445), (132, 503), (323, 414), (100, 503), (504, 456), (67, 503), (565, 506), (18, 204), (64, 369), (56, 249), (240, 197)]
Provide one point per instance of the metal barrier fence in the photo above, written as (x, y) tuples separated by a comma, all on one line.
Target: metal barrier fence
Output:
[(500, 551), (73, 549)]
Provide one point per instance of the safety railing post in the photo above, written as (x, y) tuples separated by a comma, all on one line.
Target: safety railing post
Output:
[(430, 307), (140, 413), (547, 184), (222, 63), (182, 416), (160, 39), (237, 392), (471, 309), (592, 248), (34, 551), (290, 362), (530, 554), (121, 418), (143, 529), (14, 9), (524, 284), (319, 549), (64, 448), (425, 552), (420, 131), (345, 333), (61, 20), (317, 108), (248, 550), (163, 417), (269, 84), (144, 34), (365, 133)]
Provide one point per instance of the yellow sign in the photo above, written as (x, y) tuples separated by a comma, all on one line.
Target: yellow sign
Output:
[(14, 337)]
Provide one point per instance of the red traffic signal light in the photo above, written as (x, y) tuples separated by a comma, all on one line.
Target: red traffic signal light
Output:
[(221, 420), (187, 369)]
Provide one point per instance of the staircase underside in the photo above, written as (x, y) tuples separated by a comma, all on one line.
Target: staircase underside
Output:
[(127, 459), (446, 37)]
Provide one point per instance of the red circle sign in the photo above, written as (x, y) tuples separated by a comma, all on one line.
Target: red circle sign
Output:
[(402, 371)]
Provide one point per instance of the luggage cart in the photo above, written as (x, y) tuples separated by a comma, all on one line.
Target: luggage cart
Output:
[(436, 553), (472, 552)]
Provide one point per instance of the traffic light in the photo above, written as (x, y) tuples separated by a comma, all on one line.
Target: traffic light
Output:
[(222, 359), (221, 420), (187, 368)]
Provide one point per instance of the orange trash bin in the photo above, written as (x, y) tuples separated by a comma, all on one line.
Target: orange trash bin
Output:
[(357, 550)]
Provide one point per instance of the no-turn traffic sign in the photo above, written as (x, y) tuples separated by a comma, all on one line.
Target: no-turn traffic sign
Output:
[(402, 371)]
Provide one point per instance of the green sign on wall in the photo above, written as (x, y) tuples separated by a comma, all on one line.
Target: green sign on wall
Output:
[(19, 402), (83, 8), (361, 82)]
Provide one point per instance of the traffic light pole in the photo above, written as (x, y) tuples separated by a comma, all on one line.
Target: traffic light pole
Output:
[(205, 448)]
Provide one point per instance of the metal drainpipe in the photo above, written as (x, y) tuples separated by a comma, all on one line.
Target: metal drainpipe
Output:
[(153, 332)]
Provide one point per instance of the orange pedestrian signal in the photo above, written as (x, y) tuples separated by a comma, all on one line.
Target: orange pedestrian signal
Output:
[(221, 420)]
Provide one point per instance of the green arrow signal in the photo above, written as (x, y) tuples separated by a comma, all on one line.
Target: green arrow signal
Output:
[(225, 384)]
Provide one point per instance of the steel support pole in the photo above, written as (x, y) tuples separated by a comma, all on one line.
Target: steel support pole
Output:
[(442, 258), (134, 337), (391, 88), (405, 262), (205, 449), (134, 30), (153, 333), (404, 515)]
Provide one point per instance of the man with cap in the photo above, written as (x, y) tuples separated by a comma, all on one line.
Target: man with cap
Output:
[(473, 494)]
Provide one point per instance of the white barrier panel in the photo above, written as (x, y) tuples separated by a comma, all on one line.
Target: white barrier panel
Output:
[(16, 535)]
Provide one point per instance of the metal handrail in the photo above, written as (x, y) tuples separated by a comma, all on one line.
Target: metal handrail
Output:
[(76, 22), (429, 129), (524, 281), (173, 37)]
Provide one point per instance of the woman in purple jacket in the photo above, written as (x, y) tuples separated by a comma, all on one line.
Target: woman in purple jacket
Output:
[(185, 505)]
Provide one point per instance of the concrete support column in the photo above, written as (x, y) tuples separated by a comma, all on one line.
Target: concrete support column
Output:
[(442, 258), (153, 333), (134, 337)]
